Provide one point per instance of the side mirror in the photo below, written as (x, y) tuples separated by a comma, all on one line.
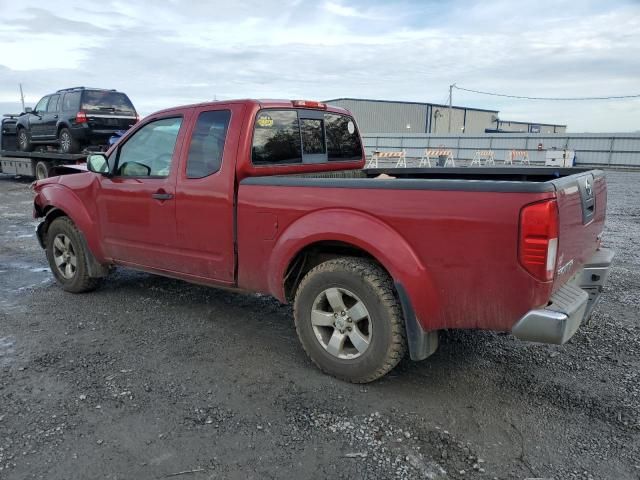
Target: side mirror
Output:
[(28, 110), (97, 163)]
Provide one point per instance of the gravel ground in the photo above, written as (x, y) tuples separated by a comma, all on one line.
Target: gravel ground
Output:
[(154, 378)]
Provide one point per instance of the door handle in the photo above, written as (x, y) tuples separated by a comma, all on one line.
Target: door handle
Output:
[(55, 116), (162, 196)]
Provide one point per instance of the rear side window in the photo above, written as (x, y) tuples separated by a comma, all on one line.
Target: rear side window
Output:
[(207, 143), (53, 103), (70, 101), (304, 136), (106, 100)]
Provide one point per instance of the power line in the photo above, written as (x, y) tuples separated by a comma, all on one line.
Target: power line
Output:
[(560, 99)]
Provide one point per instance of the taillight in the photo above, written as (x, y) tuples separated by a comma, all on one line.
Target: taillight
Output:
[(309, 104), (538, 246), (81, 117)]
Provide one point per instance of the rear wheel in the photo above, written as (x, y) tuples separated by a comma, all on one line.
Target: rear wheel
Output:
[(67, 257), (68, 144), (349, 320), (42, 170), (24, 140)]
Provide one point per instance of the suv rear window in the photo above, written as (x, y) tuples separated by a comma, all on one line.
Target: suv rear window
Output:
[(104, 100), (304, 136)]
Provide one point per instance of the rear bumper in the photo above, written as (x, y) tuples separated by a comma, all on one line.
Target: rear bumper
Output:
[(569, 306)]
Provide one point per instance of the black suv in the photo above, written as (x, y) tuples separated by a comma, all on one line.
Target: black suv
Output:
[(74, 118)]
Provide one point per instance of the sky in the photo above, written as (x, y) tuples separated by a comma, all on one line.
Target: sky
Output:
[(175, 52)]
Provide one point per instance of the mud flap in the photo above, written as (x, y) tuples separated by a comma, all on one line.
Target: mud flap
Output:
[(421, 344)]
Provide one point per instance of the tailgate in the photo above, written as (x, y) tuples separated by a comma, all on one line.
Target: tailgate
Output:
[(582, 203)]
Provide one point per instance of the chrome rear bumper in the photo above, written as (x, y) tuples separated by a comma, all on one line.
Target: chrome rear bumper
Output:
[(568, 306)]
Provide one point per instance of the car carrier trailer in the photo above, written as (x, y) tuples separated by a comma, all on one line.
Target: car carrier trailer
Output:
[(38, 164)]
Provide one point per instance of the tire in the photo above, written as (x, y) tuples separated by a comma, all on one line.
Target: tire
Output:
[(24, 140), (42, 170), (67, 143), (63, 237), (374, 340)]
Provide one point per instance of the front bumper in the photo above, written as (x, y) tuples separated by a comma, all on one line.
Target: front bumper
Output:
[(569, 306)]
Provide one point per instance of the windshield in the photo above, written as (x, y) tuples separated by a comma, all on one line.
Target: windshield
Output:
[(101, 100)]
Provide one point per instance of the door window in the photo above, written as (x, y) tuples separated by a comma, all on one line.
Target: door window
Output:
[(53, 103), (149, 151), (207, 143), (42, 105)]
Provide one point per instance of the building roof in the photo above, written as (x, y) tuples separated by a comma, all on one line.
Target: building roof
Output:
[(531, 123), (411, 103)]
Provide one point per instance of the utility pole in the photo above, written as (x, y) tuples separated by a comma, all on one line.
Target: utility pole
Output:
[(22, 97), (450, 104)]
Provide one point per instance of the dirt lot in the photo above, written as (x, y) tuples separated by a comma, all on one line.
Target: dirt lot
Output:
[(149, 377)]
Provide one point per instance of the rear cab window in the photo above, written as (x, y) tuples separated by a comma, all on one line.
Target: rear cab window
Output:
[(106, 101), (304, 136)]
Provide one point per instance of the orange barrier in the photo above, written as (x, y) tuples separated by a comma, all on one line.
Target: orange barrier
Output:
[(487, 155), (425, 160), (401, 156), (517, 155)]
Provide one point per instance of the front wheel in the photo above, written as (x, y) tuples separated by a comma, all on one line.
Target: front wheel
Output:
[(67, 257), (24, 141), (349, 320)]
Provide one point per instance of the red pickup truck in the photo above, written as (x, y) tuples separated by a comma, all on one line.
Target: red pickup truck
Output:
[(270, 197)]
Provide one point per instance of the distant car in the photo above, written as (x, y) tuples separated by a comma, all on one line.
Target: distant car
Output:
[(74, 118)]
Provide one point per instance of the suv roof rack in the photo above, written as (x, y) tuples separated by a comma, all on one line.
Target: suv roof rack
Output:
[(85, 88)]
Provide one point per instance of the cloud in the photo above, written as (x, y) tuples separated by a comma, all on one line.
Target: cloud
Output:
[(345, 11), (175, 52)]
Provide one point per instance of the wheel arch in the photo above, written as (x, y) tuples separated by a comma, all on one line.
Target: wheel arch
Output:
[(61, 124), (54, 201), (325, 234), (51, 213)]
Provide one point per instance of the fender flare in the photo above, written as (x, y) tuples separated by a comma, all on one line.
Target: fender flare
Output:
[(55, 197), (366, 232)]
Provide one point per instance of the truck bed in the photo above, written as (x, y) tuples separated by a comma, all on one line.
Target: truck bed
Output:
[(461, 224), (516, 179)]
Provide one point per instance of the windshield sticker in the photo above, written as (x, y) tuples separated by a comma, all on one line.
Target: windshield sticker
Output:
[(351, 127), (265, 121)]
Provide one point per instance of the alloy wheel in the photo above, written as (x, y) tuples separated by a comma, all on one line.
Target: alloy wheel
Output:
[(341, 323), (64, 256)]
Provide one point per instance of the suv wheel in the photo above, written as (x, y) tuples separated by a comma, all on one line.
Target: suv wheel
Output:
[(24, 140), (349, 320), (68, 144)]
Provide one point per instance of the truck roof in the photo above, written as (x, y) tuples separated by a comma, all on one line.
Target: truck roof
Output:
[(261, 103)]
